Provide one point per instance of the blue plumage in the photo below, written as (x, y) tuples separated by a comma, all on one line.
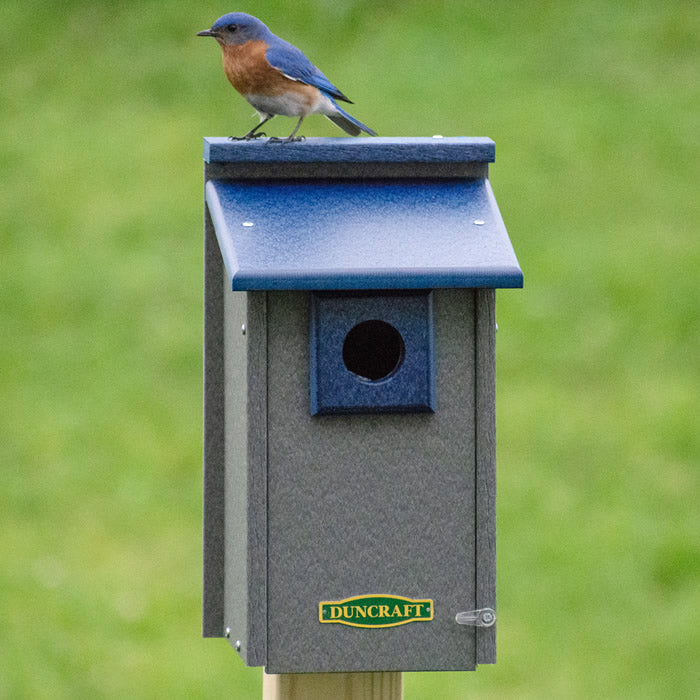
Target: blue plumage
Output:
[(293, 63)]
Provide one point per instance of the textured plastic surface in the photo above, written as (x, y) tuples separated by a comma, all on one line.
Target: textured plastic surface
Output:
[(408, 387), (344, 505), (460, 149), (384, 234), (371, 504)]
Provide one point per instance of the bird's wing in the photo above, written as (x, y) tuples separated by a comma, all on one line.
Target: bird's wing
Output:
[(289, 60)]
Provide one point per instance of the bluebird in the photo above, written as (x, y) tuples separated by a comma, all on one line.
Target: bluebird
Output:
[(276, 77)]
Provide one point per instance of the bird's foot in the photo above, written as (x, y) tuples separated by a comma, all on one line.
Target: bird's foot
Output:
[(248, 137), (289, 139)]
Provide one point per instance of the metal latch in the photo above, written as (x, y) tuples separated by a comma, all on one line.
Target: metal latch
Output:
[(484, 617)]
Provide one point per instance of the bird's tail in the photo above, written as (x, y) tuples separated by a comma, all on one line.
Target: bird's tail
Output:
[(348, 123)]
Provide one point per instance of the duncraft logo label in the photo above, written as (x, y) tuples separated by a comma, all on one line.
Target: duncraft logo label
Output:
[(375, 611)]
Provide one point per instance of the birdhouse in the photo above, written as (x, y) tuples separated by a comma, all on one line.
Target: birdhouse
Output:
[(349, 476)]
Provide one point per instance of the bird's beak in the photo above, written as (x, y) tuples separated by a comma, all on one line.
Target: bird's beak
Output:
[(207, 32)]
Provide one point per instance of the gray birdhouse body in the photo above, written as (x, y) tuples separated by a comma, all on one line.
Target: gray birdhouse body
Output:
[(349, 455)]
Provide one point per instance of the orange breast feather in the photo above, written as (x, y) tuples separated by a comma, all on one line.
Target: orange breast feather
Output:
[(249, 72)]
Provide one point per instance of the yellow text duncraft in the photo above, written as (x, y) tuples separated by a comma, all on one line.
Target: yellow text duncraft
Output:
[(375, 611)]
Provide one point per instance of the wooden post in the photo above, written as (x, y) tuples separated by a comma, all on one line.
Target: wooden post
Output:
[(386, 685)]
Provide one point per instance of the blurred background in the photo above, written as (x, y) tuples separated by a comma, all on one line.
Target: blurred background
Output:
[(593, 106)]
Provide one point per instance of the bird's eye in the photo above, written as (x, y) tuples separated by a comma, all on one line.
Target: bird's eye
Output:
[(232, 27)]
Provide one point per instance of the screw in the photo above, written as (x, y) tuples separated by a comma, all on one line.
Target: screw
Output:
[(227, 633), (243, 329), (247, 224), (479, 222), (238, 645)]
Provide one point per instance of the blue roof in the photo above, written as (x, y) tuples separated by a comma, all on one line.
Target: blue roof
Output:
[(325, 234)]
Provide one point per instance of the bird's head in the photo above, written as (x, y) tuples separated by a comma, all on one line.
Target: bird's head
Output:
[(236, 28)]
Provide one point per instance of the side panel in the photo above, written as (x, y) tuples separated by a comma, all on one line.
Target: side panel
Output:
[(213, 506), (257, 379), (236, 479), (486, 467), (370, 504), (245, 482)]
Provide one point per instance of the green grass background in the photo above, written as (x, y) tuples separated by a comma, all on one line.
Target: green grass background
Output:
[(594, 109)]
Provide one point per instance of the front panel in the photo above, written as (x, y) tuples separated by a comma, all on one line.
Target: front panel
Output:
[(371, 517)]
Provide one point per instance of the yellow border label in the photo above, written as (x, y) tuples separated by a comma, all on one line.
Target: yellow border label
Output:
[(375, 611)]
